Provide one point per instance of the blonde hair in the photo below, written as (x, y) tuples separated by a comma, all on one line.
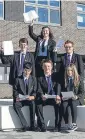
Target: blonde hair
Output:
[(75, 75)]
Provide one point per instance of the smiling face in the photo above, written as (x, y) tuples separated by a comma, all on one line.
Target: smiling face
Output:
[(45, 32), (47, 67), (70, 72), (69, 48)]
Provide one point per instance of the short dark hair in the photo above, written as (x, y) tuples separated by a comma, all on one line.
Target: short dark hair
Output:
[(47, 61), (23, 40), (68, 41), (27, 65)]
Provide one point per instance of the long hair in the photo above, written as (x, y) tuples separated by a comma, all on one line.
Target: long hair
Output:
[(75, 75), (50, 32)]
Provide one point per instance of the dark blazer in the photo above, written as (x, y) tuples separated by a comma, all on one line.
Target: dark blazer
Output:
[(14, 62), (79, 91), (43, 86), (19, 87), (76, 59), (51, 45)]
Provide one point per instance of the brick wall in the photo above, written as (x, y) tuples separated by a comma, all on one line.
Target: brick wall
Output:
[(13, 28)]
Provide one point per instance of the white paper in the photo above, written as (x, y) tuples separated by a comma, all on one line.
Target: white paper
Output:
[(29, 16), (8, 47), (23, 97), (67, 95), (49, 96), (60, 43), (79, 18)]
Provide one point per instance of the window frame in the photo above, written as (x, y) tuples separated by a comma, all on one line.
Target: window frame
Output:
[(80, 12), (2, 1), (48, 7)]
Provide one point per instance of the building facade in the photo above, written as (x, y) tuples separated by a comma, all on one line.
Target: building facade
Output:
[(65, 18)]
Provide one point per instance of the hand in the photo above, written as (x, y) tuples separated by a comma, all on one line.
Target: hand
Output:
[(2, 49), (17, 99), (75, 97), (31, 98), (55, 49), (58, 99), (32, 22), (43, 98)]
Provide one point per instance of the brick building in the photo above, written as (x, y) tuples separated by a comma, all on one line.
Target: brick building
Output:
[(65, 18)]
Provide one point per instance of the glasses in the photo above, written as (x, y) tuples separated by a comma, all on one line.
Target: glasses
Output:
[(68, 47)]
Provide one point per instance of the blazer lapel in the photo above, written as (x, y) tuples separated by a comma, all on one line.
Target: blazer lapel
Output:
[(44, 83), (22, 86), (18, 59), (73, 60), (30, 85)]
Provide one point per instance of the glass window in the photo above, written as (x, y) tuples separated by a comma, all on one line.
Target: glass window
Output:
[(81, 20), (29, 8), (45, 2), (54, 3), (80, 15), (31, 1), (1, 10), (56, 18), (1, 74), (4, 73), (43, 14), (47, 10)]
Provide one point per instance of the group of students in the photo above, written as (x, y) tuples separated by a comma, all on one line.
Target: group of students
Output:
[(34, 76)]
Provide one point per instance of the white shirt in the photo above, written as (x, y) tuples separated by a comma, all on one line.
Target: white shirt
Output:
[(40, 49)]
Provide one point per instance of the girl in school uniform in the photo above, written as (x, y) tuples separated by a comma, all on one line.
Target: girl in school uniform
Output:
[(74, 83)]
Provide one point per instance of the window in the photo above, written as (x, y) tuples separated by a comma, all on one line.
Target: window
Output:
[(4, 73), (48, 10), (1, 9), (80, 15)]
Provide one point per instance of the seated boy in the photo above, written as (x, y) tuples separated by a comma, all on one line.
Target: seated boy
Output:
[(24, 95)]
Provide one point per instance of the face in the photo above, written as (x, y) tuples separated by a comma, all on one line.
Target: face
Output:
[(23, 47), (45, 32), (27, 72), (47, 67), (69, 48), (69, 72)]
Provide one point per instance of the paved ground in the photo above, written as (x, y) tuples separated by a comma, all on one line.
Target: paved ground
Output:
[(39, 135)]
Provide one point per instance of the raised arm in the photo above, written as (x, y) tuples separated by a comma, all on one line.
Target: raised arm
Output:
[(31, 33)]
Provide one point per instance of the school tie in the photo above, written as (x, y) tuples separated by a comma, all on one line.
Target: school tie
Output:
[(26, 85), (68, 59), (43, 46), (49, 84), (70, 84), (22, 61)]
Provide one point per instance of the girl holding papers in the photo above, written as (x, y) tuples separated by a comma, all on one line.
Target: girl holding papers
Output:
[(45, 46), (74, 83)]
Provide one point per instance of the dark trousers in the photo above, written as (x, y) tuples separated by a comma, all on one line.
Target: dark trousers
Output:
[(70, 109), (39, 111), (17, 108)]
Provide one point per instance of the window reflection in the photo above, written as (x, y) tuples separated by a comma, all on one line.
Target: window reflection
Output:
[(56, 18), (43, 14)]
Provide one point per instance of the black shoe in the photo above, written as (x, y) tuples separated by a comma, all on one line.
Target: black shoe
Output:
[(22, 130), (43, 129), (55, 129), (32, 128), (38, 129)]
